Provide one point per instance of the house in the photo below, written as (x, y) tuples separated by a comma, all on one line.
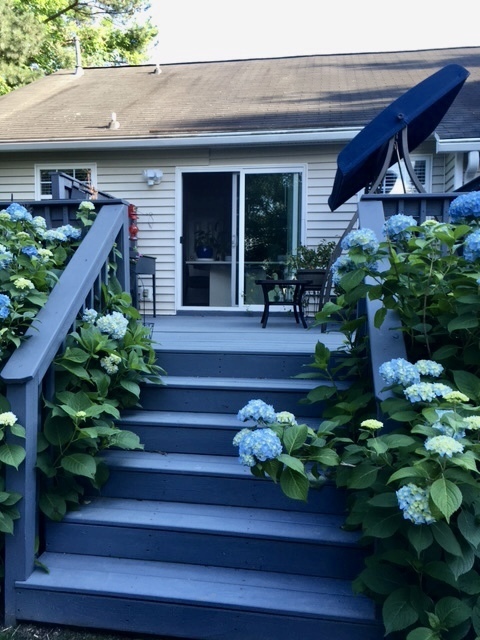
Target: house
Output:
[(182, 541), (238, 155)]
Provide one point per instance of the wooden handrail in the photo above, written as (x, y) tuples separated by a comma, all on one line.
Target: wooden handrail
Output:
[(30, 364)]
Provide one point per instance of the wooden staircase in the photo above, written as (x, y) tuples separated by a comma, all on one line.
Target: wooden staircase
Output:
[(184, 542)]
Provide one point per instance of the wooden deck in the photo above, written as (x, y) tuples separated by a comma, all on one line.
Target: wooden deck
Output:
[(239, 333)]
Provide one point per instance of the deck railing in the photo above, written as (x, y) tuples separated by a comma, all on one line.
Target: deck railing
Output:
[(420, 206), (28, 374), (387, 342)]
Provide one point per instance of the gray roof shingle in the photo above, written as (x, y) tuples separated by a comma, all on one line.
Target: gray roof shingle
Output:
[(323, 92)]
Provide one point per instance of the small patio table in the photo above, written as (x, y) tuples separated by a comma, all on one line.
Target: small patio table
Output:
[(295, 301)]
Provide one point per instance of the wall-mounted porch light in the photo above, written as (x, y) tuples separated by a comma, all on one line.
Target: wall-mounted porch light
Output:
[(152, 176)]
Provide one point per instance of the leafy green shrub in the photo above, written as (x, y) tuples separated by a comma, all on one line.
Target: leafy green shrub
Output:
[(31, 260), (411, 474), (106, 358), (99, 374)]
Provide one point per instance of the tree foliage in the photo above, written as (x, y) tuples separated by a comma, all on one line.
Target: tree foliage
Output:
[(37, 36)]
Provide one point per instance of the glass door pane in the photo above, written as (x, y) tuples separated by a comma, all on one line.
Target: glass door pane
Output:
[(207, 237), (272, 218)]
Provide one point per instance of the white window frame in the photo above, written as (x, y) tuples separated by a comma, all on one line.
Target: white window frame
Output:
[(60, 166)]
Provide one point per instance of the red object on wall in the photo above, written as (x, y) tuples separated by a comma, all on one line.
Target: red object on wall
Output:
[(133, 216)]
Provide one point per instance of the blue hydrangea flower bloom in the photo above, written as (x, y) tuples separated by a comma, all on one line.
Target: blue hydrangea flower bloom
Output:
[(364, 239), (444, 445), (340, 267), (259, 411), (465, 207), (6, 257), (413, 501), (5, 304), (396, 227), (70, 232), (18, 212), (471, 246), (30, 251), (239, 436), (261, 445), (429, 368), (54, 235), (426, 391), (399, 371), (446, 429)]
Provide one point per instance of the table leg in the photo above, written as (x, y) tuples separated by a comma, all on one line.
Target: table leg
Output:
[(298, 305), (266, 311)]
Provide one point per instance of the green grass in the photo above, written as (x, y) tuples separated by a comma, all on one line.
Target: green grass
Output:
[(27, 631)]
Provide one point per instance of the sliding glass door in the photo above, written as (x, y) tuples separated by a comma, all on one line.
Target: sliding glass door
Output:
[(270, 219), (249, 220)]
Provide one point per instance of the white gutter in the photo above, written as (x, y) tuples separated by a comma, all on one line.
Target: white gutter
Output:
[(208, 140), (457, 144)]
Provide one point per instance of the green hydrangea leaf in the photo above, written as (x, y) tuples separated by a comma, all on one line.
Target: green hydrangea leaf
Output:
[(53, 506), (363, 476), (295, 485), (420, 537), (397, 612), (446, 496), (295, 437), (12, 455), (423, 633), (452, 611), (446, 538), (80, 464)]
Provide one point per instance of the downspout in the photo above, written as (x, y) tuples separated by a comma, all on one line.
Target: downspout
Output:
[(473, 163)]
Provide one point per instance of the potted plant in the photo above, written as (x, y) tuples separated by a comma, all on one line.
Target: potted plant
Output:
[(311, 263), (205, 244)]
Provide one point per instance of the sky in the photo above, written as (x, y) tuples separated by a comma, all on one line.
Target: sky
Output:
[(202, 30)]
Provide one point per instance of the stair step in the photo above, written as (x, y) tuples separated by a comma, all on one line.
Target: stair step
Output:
[(193, 601), (229, 395), (204, 479), (234, 364), (248, 538), (185, 432)]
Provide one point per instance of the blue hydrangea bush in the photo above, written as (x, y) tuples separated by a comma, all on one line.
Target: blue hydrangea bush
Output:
[(410, 470), (106, 357)]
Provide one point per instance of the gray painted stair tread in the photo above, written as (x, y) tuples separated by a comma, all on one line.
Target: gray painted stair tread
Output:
[(185, 463), (254, 384), (214, 519), (201, 585), (188, 419)]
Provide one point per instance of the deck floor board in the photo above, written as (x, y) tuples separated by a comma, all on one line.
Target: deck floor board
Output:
[(238, 333)]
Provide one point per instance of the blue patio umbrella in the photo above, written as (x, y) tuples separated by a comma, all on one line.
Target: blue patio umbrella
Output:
[(407, 121)]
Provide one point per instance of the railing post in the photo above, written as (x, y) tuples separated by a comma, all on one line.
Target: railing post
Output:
[(123, 266), (20, 547), (388, 342)]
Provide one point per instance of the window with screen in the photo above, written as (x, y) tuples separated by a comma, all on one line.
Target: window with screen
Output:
[(84, 173), (397, 179)]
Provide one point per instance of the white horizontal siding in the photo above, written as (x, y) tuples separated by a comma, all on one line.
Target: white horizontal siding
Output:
[(16, 179), (121, 175)]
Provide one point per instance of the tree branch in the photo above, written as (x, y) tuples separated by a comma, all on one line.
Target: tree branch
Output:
[(75, 6)]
